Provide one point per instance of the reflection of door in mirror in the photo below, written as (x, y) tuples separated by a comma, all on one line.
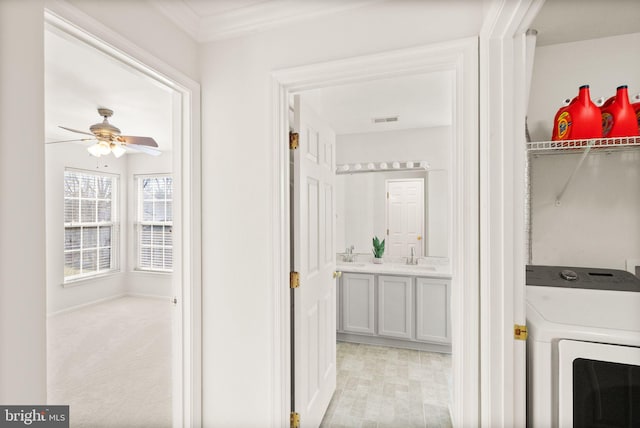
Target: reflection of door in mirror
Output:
[(405, 217)]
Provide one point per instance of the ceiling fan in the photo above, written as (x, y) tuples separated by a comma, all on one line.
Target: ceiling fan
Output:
[(108, 139)]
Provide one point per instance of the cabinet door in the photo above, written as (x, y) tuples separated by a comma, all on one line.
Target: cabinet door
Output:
[(395, 306), (433, 310), (357, 303)]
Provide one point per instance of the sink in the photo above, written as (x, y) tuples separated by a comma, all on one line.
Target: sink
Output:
[(347, 264), (422, 267)]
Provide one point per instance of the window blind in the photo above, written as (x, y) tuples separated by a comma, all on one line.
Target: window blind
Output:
[(90, 226), (154, 223)]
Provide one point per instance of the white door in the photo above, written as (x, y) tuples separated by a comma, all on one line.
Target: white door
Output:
[(405, 217), (313, 200)]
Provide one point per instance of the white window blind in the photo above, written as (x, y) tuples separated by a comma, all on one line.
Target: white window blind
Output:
[(154, 223), (90, 226)]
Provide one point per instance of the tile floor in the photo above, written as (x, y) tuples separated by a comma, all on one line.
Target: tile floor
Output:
[(383, 387)]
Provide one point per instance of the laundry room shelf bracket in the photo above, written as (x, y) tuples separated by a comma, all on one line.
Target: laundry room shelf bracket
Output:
[(580, 146)]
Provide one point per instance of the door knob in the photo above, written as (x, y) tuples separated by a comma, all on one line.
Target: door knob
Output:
[(337, 274), (419, 237)]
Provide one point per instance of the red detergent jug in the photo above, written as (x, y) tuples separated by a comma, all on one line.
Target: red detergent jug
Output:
[(580, 120), (636, 107), (618, 116)]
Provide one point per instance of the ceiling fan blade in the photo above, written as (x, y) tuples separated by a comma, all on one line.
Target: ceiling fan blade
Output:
[(144, 149), (75, 130), (139, 141), (69, 141)]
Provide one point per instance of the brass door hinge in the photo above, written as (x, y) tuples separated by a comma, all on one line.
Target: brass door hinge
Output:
[(520, 332), (294, 280), (294, 140), (294, 419)]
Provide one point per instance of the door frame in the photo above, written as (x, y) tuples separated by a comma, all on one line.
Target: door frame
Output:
[(187, 359), (460, 56), (505, 67)]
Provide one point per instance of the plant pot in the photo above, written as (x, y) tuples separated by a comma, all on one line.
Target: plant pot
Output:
[(377, 260)]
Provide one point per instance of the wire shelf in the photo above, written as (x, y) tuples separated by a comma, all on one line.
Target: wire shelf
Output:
[(573, 146)]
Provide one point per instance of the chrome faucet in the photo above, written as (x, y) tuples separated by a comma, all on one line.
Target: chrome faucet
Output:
[(412, 260), (350, 257)]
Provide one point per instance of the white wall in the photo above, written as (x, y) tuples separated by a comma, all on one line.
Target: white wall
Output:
[(72, 155), (22, 160), (142, 24), (430, 144), (22, 221), (237, 181), (127, 280), (597, 221)]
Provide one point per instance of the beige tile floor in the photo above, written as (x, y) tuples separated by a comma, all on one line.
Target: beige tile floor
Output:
[(383, 387)]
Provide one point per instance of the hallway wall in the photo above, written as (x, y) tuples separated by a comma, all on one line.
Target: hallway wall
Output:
[(238, 190)]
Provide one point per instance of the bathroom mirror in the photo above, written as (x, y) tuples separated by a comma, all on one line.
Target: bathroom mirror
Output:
[(363, 211)]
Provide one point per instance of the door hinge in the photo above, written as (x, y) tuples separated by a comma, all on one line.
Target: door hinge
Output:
[(387, 195), (387, 232), (294, 280), (294, 140), (294, 419), (520, 332)]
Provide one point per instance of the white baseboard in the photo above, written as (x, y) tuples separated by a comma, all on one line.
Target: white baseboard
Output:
[(84, 305), (106, 299), (148, 296)]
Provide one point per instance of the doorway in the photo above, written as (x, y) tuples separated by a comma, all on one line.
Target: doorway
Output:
[(464, 172), (148, 263)]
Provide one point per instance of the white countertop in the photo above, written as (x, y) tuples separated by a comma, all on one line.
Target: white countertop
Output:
[(396, 269)]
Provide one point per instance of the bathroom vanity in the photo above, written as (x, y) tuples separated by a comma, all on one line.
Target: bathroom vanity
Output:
[(406, 306)]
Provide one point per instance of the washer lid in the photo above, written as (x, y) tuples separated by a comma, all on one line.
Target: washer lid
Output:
[(581, 277), (615, 310)]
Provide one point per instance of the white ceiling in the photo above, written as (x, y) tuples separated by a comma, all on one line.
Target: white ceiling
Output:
[(419, 101), (79, 79), (563, 21)]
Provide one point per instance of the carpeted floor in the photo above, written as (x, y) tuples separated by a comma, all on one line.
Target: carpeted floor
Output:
[(382, 387), (111, 363)]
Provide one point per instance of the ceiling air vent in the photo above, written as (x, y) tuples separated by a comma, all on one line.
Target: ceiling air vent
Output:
[(385, 119)]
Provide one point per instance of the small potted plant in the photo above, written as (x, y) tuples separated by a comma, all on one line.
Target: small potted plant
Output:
[(378, 250)]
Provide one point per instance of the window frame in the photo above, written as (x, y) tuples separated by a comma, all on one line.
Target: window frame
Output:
[(113, 224), (139, 223)]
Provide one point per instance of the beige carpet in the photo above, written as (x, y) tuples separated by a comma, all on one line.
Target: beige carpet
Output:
[(111, 363)]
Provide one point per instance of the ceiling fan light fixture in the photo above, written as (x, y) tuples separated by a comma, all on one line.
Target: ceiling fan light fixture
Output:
[(117, 150), (95, 150)]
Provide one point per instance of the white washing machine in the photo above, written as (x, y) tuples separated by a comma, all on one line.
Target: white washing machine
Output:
[(583, 349)]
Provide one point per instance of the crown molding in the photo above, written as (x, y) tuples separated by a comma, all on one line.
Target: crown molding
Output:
[(249, 19), (181, 15)]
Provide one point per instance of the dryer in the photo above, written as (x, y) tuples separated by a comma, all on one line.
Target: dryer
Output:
[(583, 348)]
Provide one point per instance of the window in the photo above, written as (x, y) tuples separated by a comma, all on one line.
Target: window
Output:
[(154, 223), (90, 226)]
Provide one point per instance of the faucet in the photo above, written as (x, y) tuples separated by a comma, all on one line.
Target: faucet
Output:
[(350, 256), (412, 260)]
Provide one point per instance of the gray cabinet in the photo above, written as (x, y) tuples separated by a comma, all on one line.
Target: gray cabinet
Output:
[(395, 304), (433, 310), (393, 310), (357, 301)]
